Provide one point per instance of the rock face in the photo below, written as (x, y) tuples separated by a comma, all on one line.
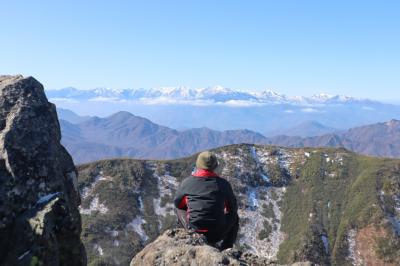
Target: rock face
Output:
[(178, 247), (39, 218)]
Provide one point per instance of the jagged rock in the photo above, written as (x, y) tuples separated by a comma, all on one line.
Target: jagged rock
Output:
[(39, 218), (179, 247)]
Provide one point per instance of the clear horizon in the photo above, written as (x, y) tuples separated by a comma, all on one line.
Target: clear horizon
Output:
[(290, 47)]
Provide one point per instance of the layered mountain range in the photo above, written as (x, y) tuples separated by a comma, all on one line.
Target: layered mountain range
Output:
[(380, 139), (326, 206), (222, 108), (127, 135)]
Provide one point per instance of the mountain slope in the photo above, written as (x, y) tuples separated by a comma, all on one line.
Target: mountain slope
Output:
[(126, 135), (328, 206), (70, 116), (381, 139)]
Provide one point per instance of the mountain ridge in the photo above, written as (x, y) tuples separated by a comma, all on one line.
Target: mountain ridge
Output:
[(126, 135), (380, 139)]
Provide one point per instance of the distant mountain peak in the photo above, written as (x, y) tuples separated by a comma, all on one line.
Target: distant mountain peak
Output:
[(323, 97), (122, 114), (393, 123)]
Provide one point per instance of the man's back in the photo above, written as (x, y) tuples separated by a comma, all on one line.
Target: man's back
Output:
[(208, 198), (205, 202)]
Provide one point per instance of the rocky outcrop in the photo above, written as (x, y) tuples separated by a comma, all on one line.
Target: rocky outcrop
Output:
[(178, 247), (39, 218)]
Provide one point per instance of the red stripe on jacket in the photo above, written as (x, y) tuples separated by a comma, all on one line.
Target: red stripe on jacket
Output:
[(183, 204), (204, 173)]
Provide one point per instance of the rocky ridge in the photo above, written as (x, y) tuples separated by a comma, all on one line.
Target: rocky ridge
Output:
[(294, 204), (178, 247), (40, 222)]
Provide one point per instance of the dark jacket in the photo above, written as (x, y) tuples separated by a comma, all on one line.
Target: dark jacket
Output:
[(207, 199)]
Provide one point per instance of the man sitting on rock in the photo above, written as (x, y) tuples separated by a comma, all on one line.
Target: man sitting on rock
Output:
[(206, 204)]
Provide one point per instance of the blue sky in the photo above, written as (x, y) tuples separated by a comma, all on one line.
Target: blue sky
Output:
[(293, 47)]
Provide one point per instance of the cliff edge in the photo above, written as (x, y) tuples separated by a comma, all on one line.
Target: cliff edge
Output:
[(179, 247), (39, 218)]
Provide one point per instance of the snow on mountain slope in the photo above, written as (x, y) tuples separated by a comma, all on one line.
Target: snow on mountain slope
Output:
[(185, 95)]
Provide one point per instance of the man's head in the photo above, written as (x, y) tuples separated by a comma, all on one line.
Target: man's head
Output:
[(207, 160)]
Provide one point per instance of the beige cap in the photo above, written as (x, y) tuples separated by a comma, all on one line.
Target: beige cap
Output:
[(207, 160)]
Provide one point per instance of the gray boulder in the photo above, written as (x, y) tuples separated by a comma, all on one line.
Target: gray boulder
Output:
[(181, 248), (39, 217)]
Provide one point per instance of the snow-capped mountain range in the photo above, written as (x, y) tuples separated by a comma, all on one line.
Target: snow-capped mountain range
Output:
[(200, 96), (223, 108)]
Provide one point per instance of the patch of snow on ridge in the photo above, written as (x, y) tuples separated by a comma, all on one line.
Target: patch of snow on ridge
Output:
[(265, 177), (354, 255), (141, 206), (254, 153), (284, 159), (98, 248), (166, 184), (136, 225), (95, 205), (236, 159), (395, 224), (114, 233), (256, 156), (89, 189), (254, 223), (325, 241), (394, 218), (252, 201)]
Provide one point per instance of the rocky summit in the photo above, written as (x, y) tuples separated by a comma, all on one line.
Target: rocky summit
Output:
[(39, 217), (178, 247)]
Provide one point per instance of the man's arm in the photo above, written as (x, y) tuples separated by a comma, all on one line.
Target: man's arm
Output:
[(231, 198), (180, 196)]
